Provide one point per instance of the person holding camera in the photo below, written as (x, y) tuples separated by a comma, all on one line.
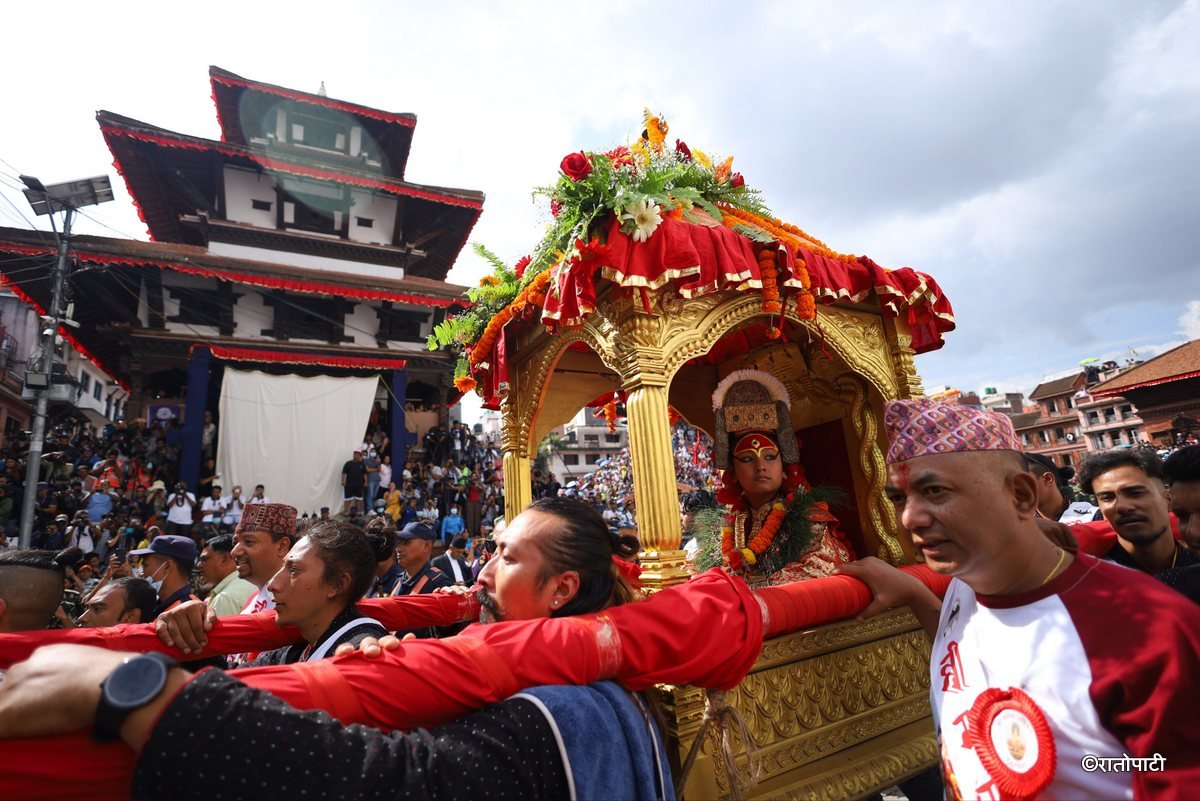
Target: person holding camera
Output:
[(233, 508), (180, 508), (82, 533)]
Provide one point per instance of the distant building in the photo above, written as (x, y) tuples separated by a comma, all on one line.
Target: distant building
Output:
[(80, 390), (586, 443), (1108, 421), (293, 244), (1009, 403), (1054, 429), (1166, 390)]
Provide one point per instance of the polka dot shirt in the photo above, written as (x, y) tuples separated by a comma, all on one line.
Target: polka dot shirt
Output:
[(221, 739)]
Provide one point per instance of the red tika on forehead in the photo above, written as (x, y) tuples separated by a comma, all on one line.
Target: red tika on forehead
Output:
[(921, 427)]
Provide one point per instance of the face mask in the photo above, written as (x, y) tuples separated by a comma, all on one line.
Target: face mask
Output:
[(141, 573)]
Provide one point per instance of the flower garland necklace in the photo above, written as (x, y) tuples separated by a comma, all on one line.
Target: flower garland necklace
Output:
[(738, 557)]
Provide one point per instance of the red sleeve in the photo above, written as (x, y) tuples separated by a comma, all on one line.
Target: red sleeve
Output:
[(707, 632), (638, 644), (1144, 672), (235, 634)]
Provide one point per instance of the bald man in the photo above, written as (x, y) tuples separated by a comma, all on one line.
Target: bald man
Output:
[(31, 588)]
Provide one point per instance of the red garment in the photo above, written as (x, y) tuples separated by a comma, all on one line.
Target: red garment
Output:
[(1099, 662), (638, 644), (236, 634), (1098, 537)]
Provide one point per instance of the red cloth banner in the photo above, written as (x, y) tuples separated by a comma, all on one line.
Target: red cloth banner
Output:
[(294, 357), (178, 141), (271, 282)]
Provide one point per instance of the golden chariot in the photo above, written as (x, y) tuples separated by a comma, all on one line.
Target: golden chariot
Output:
[(840, 710)]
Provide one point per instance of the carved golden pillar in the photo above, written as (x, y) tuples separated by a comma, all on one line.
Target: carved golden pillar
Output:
[(518, 485), (654, 486), (899, 339)]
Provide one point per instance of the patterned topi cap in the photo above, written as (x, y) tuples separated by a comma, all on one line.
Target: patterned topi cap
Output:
[(277, 519), (920, 427)]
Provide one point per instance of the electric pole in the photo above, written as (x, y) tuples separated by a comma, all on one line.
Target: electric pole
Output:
[(67, 198)]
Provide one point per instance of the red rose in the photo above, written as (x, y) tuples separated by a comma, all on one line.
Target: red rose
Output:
[(737, 180), (520, 266), (576, 166), (682, 149)]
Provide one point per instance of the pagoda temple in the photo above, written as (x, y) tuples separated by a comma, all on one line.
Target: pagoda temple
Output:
[(294, 244)]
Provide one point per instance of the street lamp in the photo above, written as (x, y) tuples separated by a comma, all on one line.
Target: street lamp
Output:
[(64, 197)]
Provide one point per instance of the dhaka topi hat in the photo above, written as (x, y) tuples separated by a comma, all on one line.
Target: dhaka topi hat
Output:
[(921, 427), (277, 519)]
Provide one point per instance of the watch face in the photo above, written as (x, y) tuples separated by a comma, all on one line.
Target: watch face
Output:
[(135, 682)]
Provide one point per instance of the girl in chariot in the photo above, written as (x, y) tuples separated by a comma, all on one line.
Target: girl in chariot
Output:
[(777, 528)]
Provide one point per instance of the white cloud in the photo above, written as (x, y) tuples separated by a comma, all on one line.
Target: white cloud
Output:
[(1189, 321), (1037, 159)]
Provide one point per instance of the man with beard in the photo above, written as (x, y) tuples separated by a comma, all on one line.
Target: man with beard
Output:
[(1128, 485), (542, 743), (1053, 674)]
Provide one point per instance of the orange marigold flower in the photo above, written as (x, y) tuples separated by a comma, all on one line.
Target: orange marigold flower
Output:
[(489, 280), (656, 131), (464, 383), (806, 306), (723, 170)]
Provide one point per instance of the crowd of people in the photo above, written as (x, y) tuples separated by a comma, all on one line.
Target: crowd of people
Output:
[(1109, 603)]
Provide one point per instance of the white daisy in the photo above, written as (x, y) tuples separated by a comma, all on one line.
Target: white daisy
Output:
[(645, 216)]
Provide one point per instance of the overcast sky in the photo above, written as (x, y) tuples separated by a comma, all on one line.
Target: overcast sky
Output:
[(1041, 160)]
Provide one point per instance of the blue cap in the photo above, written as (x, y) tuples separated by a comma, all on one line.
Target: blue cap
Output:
[(416, 530), (170, 545)]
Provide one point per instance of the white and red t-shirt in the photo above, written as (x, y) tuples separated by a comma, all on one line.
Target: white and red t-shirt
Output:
[(1101, 662), (260, 601)]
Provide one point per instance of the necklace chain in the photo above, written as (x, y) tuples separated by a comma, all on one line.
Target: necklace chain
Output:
[(1062, 557)]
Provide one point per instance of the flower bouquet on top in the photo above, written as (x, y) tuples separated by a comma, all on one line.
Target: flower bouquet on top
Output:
[(638, 186)]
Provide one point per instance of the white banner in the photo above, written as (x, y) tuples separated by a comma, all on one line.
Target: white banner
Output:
[(291, 434)]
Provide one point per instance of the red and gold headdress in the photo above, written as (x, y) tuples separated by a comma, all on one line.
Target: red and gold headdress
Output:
[(752, 410)]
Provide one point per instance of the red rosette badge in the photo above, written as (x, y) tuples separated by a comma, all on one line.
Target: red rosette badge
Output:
[(1013, 741)]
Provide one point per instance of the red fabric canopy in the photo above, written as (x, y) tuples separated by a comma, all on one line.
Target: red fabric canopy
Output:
[(903, 291), (700, 259), (294, 357)]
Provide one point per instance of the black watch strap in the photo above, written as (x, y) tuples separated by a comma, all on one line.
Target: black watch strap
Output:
[(132, 684)]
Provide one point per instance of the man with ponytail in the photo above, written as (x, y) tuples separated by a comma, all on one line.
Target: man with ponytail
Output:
[(555, 560)]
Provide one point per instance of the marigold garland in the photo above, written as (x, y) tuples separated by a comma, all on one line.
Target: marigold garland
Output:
[(761, 542), (532, 295), (610, 415), (785, 232), (730, 494)]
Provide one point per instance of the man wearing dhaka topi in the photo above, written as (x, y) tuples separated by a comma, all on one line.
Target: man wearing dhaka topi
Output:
[(1053, 674)]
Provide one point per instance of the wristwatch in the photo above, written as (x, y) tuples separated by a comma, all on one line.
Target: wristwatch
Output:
[(134, 683)]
